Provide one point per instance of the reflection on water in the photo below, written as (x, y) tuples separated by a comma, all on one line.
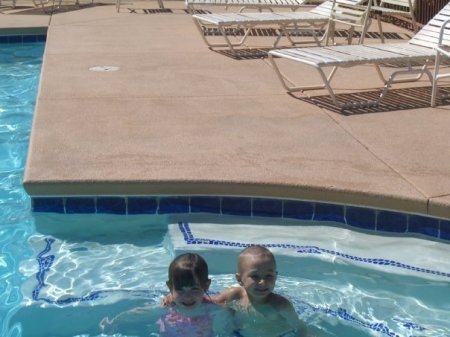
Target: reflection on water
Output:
[(20, 66)]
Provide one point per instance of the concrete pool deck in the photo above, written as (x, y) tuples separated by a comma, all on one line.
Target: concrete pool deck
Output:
[(180, 119)]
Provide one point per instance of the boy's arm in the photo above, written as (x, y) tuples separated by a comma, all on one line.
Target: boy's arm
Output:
[(227, 295)]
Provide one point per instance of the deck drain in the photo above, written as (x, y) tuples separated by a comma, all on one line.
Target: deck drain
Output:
[(104, 68)]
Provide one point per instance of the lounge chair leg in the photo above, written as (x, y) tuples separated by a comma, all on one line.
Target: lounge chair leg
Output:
[(423, 70), (222, 31), (284, 31), (420, 72), (329, 34), (292, 88), (380, 28), (434, 88)]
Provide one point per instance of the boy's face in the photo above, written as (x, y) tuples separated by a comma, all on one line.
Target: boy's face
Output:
[(190, 297), (257, 274)]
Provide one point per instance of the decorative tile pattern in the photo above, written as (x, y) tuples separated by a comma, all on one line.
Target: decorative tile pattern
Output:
[(190, 238), (354, 216)]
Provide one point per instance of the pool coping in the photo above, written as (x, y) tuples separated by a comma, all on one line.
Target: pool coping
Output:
[(403, 190)]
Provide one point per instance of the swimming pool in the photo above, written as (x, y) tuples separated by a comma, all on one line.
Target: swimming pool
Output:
[(19, 73), (79, 274)]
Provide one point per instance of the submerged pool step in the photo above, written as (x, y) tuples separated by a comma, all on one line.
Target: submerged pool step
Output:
[(297, 247)]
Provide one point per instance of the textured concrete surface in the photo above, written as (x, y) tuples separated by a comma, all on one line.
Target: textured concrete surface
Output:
[(178, 118)]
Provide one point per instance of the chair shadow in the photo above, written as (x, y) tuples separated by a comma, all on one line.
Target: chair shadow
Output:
[(396, 99), (53, 10), (244, 53), (251, 53)]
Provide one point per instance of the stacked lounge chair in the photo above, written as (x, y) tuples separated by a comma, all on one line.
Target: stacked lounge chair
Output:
[(349, 12), (192, 5)]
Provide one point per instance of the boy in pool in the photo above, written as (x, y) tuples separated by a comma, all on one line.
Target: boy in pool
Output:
[(258, 311), (190, 311)]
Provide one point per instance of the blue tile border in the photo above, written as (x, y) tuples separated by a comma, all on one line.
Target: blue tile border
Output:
[(26, 38), (357, 217)]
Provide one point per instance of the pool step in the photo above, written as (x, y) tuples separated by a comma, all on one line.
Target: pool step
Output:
[(297, 247)]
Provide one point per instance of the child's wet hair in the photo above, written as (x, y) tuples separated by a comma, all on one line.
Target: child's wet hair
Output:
[(188, 270), (255, 251)]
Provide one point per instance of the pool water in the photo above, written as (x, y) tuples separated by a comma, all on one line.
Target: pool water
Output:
[(20, 66), (104, 275)]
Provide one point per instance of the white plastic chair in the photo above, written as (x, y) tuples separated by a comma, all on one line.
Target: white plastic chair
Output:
[(403, 8), (118, 5), (349, 12), (13, 3), (420, 49), (48, 6), (442, 49), (191, 5)]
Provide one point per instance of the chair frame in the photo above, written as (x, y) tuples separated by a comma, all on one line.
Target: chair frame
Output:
[(260, 5), (379, 9), (396, 51), (13, 4), (350, 13), (441, 50), (42, 3), (119, 4), (425, 47)]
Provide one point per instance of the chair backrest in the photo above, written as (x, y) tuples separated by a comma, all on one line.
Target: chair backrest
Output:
[(326, 7), (403, 4), (428, 36), (351, 11)]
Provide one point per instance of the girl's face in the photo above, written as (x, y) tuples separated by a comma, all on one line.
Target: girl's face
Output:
[(188, 297)]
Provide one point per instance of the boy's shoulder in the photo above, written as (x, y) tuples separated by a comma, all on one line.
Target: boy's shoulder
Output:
[(279, 301)]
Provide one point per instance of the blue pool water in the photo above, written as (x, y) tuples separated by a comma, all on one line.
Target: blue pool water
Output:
[(104, 275), (20, 66)]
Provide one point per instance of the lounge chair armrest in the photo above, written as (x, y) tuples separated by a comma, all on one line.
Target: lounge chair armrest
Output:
[(442, 50), (441, 33)]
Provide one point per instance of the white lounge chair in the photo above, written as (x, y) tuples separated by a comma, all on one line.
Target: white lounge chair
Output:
[(13, 4), (119, 4), (442, 49), (49, 6), (191, 5), (350, 12), (419, 49), (404, 8)]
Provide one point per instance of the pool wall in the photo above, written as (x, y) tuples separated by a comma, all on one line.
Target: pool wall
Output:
[(23, 35), (353, 216)]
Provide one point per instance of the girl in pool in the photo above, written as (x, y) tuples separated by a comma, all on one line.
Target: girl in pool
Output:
[(191, 311)]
